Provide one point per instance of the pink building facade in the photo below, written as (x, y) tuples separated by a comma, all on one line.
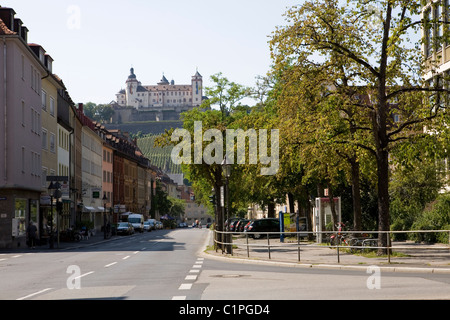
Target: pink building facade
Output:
[(20, 131)]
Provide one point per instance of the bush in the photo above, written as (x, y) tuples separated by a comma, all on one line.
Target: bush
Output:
[(438, 218)]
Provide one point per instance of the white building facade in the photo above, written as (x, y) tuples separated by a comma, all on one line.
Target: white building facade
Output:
[(163, 96)]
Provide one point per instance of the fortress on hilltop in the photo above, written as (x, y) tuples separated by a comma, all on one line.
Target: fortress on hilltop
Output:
[(163, 101)]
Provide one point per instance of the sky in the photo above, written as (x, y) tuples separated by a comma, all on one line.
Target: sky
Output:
[(95, 43)]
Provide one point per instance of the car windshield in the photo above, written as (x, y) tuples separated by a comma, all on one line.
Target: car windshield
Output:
[(123, 224), (134, 220)]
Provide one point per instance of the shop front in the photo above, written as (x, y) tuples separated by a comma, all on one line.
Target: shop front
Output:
[(17, 209)]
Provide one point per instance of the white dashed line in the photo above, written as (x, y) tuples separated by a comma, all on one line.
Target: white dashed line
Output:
[(84, 275), (185, 286), (109, 265), (33, 294), (194, 277), (179, 298), (194, 271), (125, 258)]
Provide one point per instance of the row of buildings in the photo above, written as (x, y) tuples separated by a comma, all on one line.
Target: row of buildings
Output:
[(50, 150)]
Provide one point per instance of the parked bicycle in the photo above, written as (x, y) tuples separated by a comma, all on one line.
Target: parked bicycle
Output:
[(70, 235), (338, 238)]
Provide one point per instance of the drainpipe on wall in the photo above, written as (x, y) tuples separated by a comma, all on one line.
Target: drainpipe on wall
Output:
[(5, 112)]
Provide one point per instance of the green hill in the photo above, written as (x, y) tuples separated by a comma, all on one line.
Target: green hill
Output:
[(158, 156), (146, 127)]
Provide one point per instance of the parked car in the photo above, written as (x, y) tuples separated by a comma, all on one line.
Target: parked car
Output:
[(257, 228), (153, 223), (137, 220), (247, 225), (240, 225), (148, 225), (159, 225), (233, 224), (125, 228), (229, 222)]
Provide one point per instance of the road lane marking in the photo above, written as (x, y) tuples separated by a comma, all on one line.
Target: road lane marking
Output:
[(83, 275), (109, 265), (34, 294), (125, 258), (197, 266), (194, 271), (185, 286), (193, 277), (179, 298)]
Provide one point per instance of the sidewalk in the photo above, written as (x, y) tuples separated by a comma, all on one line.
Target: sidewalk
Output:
[(62, 245), (407, 257)]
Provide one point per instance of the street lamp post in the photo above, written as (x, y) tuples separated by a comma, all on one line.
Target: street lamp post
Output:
[(105, 200), (54, 192), (226, 167), (51, 187)]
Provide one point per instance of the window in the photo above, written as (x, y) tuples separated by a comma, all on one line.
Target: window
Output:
[(44, 100), (23, 68), (23, 159), (52, 106), (52, 142), (23, 113), (44, 176), (438, 25), (20, 214), (44, 139), (428, 34)]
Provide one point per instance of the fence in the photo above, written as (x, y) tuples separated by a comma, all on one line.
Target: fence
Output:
[(341, 242)]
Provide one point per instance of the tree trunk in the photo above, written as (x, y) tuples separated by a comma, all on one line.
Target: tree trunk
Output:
[(291, 202), (271, 209), (356, 195), (383, 199)]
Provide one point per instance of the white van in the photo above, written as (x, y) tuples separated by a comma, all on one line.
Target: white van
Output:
[(137, 220)]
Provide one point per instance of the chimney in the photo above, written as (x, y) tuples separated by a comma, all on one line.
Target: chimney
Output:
[(24, 33), (7, 15), (18, 26), (80, 108)]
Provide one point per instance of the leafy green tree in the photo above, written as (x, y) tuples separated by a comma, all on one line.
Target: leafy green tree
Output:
[(376, 57), (207, 177), (177, 207), (98, 112)]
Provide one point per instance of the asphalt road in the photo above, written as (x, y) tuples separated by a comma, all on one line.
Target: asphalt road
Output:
[(169, 265)]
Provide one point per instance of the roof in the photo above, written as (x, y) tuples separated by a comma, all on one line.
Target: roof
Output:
[(4, 30), (163, 80)]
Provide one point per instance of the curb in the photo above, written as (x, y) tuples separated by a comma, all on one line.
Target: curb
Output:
[(327, 266)]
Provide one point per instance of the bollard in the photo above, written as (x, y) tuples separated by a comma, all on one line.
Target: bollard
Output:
[(268, 244), (298, 246), (248, 250), (389, 246)]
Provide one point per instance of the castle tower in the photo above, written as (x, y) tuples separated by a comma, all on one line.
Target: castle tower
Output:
[(197, 89), (131, 90)]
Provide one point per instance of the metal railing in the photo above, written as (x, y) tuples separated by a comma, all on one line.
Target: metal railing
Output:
[(368, 240)]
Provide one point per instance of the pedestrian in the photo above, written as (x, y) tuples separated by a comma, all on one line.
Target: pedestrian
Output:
[(31, 234)]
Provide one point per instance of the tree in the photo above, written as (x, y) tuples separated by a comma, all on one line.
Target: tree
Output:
[(376, 57), (206, 176), (98, 112)]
